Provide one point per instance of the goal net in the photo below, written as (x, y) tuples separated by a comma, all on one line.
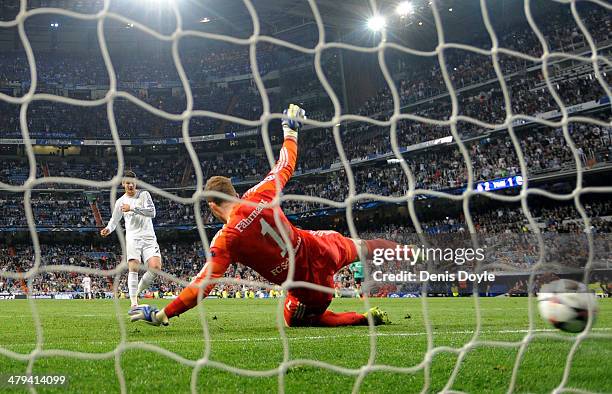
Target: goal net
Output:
[(508, 116)]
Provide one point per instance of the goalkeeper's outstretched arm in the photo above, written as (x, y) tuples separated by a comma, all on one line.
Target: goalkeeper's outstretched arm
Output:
[(288, 154), (214, 268), (285, 165)]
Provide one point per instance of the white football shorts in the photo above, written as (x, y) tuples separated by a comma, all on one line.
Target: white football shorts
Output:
[(142, 249)]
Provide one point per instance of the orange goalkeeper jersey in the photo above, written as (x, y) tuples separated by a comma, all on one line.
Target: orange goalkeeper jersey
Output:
[(252, 235)]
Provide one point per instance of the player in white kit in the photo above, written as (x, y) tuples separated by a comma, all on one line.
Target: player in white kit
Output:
[(86, 282), (137, 209)]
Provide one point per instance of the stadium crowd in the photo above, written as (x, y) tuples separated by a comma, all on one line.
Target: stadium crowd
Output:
[(440, 168), (71, 69), (183, 261), (507, 226), (544, 149), (468, 68), (528, 93), (438, 171)]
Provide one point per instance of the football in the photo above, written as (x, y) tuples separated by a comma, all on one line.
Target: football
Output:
[(566, 303)]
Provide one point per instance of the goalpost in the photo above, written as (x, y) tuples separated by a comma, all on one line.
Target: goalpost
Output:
[(269, 115)]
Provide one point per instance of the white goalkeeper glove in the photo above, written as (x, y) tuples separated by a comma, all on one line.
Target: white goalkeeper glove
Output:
[(291, 127)]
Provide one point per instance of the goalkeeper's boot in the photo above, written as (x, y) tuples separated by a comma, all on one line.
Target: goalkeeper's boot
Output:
[(378, 316), (148, 314)]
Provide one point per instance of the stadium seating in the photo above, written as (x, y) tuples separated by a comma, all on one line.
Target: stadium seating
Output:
[(422, 91)]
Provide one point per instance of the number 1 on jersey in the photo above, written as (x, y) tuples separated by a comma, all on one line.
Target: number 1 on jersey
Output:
[(266, 229)]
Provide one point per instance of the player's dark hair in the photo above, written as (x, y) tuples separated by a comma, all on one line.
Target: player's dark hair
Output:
[(129, 174), (219, 184)]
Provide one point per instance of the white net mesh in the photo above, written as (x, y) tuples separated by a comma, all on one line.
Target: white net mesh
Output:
[(595, 60)]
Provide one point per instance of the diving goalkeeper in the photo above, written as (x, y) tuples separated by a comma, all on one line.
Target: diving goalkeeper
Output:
[(250, 235)]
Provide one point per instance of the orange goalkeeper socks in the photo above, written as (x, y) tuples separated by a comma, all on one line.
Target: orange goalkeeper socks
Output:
[(181, 304), (331, 319)]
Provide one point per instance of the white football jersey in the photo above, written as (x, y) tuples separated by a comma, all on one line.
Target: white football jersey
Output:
[(138, 221), (87, 281)]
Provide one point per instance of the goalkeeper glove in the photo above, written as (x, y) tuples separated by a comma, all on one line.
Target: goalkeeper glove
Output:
[(148, 314), (291, 127)]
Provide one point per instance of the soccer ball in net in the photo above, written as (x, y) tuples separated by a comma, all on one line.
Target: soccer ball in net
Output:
[(566, 304)]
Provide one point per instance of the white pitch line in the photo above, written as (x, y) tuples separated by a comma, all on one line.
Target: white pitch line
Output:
[(324, 337), (382, 334)]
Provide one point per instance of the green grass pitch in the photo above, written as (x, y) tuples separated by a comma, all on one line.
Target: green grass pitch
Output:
[(244, 335)]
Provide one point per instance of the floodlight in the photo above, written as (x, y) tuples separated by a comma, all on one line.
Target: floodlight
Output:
[(377, 23), (404, 9)]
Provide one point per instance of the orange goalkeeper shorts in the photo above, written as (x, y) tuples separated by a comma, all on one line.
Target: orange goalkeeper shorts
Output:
[(326, 253)]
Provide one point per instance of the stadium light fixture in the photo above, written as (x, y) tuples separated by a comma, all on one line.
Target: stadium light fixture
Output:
[(54, 24), (377, 23), (404, 9), (205, 20)]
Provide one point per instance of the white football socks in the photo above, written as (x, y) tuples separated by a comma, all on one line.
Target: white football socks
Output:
[(145, 281), (133, 287)]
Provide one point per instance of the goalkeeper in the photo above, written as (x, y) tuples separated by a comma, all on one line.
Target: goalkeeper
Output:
[(250, 235)]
